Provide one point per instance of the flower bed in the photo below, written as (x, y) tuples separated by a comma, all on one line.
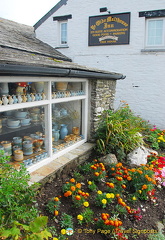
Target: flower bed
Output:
[(111, 202)]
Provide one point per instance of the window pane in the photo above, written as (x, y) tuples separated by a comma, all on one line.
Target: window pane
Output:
[(155, 32), (63, 33)]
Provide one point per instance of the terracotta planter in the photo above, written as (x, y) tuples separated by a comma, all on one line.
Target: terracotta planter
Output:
[(61, 86)]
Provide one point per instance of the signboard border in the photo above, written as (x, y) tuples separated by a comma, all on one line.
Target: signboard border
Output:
[(107, 15)]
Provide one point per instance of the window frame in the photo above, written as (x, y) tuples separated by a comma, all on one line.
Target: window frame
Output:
[(152, 46), (60, 33)]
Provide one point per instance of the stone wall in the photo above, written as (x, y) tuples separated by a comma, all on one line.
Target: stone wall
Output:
[(102, 94)]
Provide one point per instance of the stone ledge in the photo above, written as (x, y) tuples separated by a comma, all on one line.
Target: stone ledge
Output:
[(62, 164)]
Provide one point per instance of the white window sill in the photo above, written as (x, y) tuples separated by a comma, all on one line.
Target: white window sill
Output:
[(153, 50)]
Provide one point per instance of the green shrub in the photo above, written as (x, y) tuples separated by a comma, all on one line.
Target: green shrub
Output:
[(119, 132), (16, 196)]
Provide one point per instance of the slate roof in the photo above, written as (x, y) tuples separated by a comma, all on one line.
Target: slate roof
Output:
[(21, 52)]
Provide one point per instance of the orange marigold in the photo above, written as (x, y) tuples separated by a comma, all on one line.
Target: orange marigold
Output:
[(78, 185), (67, 194), (72, 188), (144, 187), (129, 178), (72, 180)]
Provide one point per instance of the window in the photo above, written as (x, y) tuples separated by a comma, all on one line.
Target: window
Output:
[(63, 33), (155, 32)]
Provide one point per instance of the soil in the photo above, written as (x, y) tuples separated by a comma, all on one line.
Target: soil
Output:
[(134, 229)]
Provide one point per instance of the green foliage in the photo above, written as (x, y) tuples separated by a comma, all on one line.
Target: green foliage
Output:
[(118, 132), (156, 236), (85, 167), (66, 221), (16, 196), (53, 205), (87, 216), (78, 176), (36, 230)]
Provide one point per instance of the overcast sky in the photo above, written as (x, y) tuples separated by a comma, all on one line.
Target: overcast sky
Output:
[(26, 12)]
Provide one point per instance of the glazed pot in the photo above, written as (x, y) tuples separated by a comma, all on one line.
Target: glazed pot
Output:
[(63, 131), (13, 123), (61, 86), (20, 114), (27, 148), (7, 147)]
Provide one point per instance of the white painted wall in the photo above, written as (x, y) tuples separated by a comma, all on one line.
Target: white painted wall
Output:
[(144, 70)]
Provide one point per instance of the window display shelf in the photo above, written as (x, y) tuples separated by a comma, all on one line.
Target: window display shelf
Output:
[(7, 133), (47, 117)]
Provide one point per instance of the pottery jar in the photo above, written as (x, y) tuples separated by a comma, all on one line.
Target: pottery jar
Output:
[(56, 135), (39, 87), (18, 155), (27, 147), (75, 130), (61, 86), (17, 141), (5, 100)]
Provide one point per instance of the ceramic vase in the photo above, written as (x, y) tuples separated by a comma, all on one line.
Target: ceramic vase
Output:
[(56, 135), (39, 87), (63, 131), (4, 89)]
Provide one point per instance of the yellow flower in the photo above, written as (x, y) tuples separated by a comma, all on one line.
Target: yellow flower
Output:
[(55, 238), (80, 217), (104, 201), (89, 182), (99, 192), (140, 191), (86, 204), (110, 195), (134, 198), (63, 231)]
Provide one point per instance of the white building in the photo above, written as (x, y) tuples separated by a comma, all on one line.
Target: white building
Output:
[(132, 43)]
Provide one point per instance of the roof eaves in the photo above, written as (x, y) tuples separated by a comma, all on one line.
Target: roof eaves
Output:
[(48, 14), (9, 69)]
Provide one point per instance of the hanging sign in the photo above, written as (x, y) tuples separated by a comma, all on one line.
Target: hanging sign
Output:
[(109, 29)]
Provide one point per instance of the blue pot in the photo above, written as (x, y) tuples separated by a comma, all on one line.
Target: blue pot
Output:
[(63, 131)]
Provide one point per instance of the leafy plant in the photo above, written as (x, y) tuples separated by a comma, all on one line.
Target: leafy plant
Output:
[(118, 132), (156, 236), (16, 196), (66, 221), (36, 230)]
